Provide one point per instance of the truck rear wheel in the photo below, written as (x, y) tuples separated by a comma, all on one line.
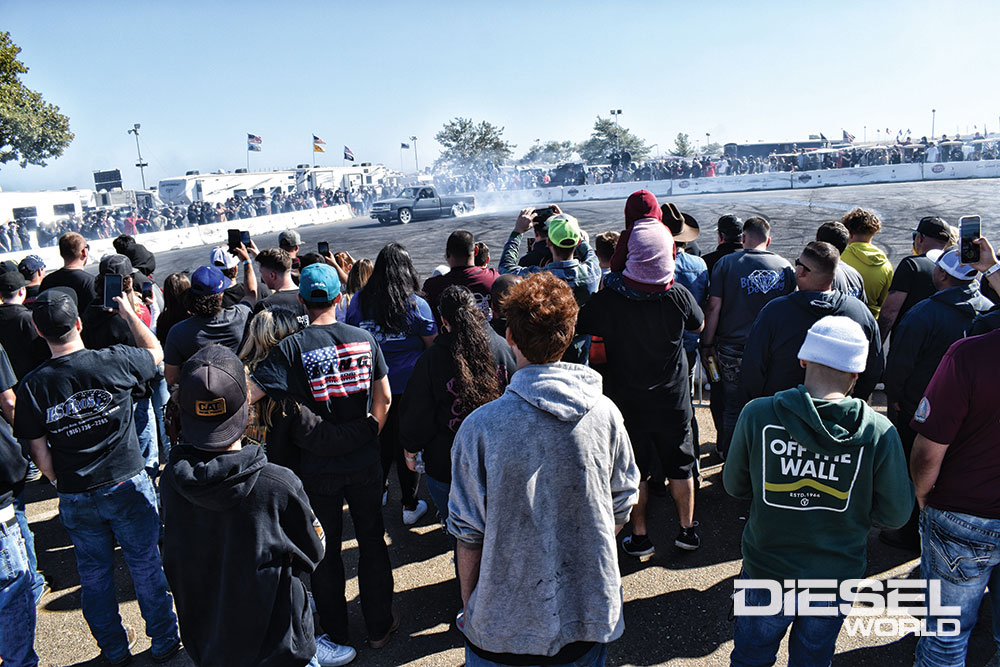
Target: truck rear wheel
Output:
[(405, 215), (458, 210)]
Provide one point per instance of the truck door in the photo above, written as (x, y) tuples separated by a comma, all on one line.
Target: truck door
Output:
[(427, 205)]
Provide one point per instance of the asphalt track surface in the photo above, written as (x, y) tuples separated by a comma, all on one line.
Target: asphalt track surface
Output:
[(677, 604)]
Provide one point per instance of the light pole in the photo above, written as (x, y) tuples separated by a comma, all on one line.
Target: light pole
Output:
[(142, 165), (708, 140), (933, 113), (618, 133), (415, 161)]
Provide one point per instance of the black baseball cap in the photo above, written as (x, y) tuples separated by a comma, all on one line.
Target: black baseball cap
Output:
[(730, 226), (115, 265), (934, 227), (11, 281), (213, 398), (7, 266), (55, 311)]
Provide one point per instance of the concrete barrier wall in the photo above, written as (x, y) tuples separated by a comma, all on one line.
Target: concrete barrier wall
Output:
[(950, 170), (190, 237), (857, 176)]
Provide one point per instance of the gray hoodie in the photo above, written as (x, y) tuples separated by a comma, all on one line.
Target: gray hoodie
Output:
[(554, 461)]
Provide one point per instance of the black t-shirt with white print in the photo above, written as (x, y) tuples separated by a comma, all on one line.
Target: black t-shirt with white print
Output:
[(82, 403), (329, 368)]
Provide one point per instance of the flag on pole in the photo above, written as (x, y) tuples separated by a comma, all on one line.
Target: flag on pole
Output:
[(404, 145), (253, 142), (317, 140), (848, 137), (253, 147), (318, 149), (348, 155)]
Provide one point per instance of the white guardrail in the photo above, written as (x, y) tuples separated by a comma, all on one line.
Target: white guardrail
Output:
[(199, 235), (892, 173)]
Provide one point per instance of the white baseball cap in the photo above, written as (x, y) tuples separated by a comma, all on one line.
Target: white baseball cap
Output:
[(950, 261), (223, 258)]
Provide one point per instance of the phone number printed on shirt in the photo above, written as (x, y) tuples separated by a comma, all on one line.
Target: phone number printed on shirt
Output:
[(339, 370)]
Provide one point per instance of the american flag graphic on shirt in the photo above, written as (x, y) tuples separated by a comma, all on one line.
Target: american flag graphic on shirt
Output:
[(339, 370)]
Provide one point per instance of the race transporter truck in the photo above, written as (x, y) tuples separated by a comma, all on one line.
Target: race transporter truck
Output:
[(421, 203)]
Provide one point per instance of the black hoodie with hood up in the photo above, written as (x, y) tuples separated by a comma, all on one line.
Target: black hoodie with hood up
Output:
[(238, 530), (771, 356)]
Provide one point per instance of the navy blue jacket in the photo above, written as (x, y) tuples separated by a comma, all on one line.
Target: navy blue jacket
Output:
[(771, 356)]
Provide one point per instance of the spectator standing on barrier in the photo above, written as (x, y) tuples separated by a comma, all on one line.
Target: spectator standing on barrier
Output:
[(238, 532), (955, 466), (517, 569), (804, 523), (75, 251), (564, 238), (770, 361), (742, 283), (460, 253), (209, 322), (913, 279), (75, 412), (919, 342), (847, 280), (647, 370), (338, 372), (869, 261)]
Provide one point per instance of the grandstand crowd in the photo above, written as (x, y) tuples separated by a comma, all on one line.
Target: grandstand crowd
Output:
[(213, 423)]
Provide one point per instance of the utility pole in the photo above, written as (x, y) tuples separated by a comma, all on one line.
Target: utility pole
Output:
[(142, 165), (933, 113), (416, 162), (618, 133)]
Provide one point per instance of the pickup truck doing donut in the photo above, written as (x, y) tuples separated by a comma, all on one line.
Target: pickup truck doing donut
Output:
[(421, 202)]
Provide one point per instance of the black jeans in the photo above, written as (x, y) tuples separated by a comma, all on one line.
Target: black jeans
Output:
[(363, 493), (392, 450)]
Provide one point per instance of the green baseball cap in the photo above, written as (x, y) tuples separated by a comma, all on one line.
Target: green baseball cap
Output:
[(564, 231)]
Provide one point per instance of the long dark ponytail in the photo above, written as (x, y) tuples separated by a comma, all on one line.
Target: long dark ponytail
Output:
[(475, 367), (388, 293)]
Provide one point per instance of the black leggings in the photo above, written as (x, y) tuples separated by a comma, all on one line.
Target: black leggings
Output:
[(392, 450)]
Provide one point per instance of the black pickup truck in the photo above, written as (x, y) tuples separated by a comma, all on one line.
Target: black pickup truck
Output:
[(421, 202)]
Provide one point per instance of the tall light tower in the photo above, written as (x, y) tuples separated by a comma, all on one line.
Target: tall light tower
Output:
[(618, 134), (416, 162), (142, 165), (708, 140), (933, 113)]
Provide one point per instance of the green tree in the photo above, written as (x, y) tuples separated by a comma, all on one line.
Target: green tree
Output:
[(683, 146), (608, 138), (31, 129), (713, 148), (551, 152), (470, 145)]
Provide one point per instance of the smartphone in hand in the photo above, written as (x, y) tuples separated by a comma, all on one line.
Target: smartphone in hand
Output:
[(234, 239), (970, 229), (323, 247), (112, 288)]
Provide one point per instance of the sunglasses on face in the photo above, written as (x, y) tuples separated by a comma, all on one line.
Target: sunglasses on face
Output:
[(804, 267)]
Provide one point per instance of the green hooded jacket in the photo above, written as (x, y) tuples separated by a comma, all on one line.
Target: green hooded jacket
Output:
[(819, 473)]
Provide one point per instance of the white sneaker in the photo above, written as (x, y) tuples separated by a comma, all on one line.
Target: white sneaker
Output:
[(329, 654), (410, 517)]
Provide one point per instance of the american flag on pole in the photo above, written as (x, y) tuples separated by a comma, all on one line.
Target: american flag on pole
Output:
[(317, 140), (253, 142), (348, 154), (848, 137)]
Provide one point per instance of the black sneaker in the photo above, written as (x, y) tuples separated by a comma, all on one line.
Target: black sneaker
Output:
[(688, 539), (639, 546), (167, 655)]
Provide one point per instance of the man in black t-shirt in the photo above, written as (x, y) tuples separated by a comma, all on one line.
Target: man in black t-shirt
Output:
[(75, 252), (75, 412), (17, 333), (730, 231), (210, 322), (276, 273), (646, 375), (338, 372), (913, 280), (32, 268)]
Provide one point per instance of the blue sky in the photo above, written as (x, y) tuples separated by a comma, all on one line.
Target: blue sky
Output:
[(199, 75)]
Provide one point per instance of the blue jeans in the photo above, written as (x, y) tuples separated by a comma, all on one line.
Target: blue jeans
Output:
[(125, 512), (17, 601), (730, 359), (756, 638), (161, 394), (37, 580), (962, 551), (145, 429), (439, 495), (595, 657)]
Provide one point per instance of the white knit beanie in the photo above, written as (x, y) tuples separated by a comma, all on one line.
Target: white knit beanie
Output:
[(838, 342)]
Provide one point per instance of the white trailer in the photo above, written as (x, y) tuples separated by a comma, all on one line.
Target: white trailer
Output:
[(45, 206), (218, 188)]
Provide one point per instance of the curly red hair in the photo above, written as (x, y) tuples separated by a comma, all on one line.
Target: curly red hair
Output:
[(541, 317)]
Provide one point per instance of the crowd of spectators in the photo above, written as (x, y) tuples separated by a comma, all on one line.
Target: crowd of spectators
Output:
[(273, 400)]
